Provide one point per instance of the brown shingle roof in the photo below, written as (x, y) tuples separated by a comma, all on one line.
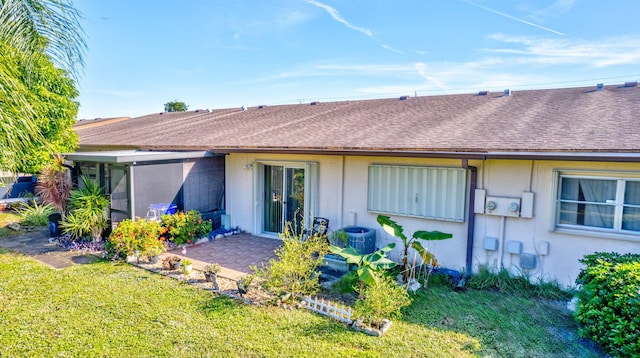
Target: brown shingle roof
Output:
[(553, 120)]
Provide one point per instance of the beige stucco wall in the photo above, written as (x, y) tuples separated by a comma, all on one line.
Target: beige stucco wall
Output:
[(511, 178), (342, 198)]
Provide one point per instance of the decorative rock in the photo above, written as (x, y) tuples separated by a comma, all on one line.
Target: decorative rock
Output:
[(413, 285), (201, 240), (14, 226), (386, 324), (359, 326), (571, 304)]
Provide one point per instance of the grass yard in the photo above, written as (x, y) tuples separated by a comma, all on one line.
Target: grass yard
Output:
[(106, 309), (5, 219)]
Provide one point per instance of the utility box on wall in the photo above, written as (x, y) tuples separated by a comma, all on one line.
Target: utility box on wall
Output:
[(502, 206), (526, 209)]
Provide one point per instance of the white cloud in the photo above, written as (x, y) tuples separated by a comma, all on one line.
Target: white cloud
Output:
[(554, 10), (264, 19), (328, 70), (621, 50), (337, 17)]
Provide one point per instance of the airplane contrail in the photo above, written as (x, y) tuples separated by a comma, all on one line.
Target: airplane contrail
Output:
[(513, 17)]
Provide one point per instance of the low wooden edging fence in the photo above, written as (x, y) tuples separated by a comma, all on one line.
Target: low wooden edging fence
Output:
[(334, 310)]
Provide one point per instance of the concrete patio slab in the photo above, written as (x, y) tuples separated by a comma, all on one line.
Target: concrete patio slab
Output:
[(235, 253)]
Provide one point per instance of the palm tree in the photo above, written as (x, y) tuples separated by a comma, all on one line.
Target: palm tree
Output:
[(33, 28)]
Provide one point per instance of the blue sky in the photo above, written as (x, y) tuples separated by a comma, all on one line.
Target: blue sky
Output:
[(220, 54)]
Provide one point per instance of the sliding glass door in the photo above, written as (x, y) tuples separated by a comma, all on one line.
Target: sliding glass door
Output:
[(283, 197)]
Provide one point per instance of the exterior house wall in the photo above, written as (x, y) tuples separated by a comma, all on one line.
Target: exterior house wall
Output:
[(239, 197), (342, 198), (511, 178), (342, 191)]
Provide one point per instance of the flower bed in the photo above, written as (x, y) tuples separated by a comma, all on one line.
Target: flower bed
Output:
[(227, 286)]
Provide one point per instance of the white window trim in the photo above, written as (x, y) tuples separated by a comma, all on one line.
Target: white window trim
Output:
[(615, 233)]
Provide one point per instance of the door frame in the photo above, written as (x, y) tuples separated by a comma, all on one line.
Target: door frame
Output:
[(310, 191)]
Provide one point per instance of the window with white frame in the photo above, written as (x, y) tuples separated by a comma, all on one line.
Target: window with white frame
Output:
[(426, 192), (598, 203)]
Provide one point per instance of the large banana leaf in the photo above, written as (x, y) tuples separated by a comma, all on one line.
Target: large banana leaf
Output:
[(376, 261), (426, 256), (431, 235), (391, 227)]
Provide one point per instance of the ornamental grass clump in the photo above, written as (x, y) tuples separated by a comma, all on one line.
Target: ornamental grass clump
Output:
[(87, 211), (139, 237), (185, 228), (34, 214)]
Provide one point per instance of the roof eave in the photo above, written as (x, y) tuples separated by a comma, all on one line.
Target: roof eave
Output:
[(600, 156)]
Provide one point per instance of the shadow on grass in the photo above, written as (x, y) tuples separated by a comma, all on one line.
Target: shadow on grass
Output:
[(505, 324)]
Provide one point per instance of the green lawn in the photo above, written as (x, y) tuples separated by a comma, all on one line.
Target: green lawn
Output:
[(5, 219), (106, 309)]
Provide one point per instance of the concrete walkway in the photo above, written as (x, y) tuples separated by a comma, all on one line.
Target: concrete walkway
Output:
[(36, 244)]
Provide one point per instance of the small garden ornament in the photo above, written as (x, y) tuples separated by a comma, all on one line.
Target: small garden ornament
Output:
[(211, 275)]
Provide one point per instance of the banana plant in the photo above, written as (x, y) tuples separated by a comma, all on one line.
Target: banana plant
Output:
[(394, 229), (369, 265)]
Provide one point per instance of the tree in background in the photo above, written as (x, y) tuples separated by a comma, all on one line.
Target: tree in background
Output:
[(42, 34), (50, 93), (175, 106)]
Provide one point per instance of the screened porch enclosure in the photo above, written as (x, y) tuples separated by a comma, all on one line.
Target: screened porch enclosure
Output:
[(136, 180)]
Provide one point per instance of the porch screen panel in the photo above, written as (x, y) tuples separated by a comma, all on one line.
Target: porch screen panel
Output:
[(429, 192)]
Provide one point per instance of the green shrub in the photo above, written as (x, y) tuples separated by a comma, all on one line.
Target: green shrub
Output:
[(185, 228), (131, 236), (348, 283), (382, 300), (87, 211), (609, 302), (34, 214), (294, 272)]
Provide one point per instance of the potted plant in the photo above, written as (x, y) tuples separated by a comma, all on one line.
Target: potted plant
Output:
[(187, 266), (171, 262), (211, 274), (243, 284)]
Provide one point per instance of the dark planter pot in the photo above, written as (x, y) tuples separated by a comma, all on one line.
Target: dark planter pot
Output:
[(55, 220)]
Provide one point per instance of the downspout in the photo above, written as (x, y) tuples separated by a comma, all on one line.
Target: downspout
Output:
[(473, 181), (341, 198)]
